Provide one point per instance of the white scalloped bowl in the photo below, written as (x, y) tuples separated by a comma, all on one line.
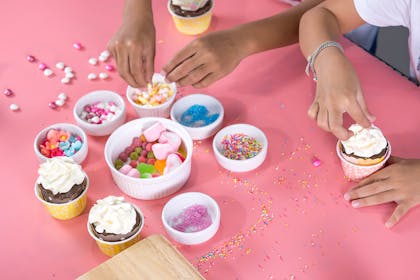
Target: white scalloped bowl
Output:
[(149, 188), (105, 128), (212, 104)]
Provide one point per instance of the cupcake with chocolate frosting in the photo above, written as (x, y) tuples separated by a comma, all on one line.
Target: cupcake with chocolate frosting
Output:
[(112, 219), (368, 146), (61, 180)]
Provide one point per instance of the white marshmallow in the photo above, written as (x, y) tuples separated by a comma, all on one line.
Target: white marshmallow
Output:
[(59, 102), (48, 72), (93, 61), (14, 107), (92, 76), (69, 75), (103, 75), (60, 65), (68, 69), (65, 80), (62, 96)]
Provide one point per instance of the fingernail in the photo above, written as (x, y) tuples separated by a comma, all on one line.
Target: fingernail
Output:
[(388, 224), (346, 197), (355, 204)]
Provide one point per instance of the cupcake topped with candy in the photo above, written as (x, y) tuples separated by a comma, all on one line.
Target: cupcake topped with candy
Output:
[(368, 146)]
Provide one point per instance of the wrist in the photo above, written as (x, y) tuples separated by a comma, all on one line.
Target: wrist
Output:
[(246, 45)]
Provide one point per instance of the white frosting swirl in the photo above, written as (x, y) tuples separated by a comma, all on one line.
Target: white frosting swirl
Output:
[(113, 215), (190, 5), (365, 142), (60, 174)]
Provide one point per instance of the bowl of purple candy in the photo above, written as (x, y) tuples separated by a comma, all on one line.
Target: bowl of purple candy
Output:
[(201, 115), (100, 112), (191, 218)]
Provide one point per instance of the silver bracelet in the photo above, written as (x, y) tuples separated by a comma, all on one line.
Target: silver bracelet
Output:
[(312, 57)]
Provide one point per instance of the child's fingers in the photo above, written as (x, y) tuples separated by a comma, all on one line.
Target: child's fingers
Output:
[(184, 68), (322, 119), (208, 80), (136, 67), (313, 110), (398, 213), (124, 68), (336, 125), (357, 114), (149, 66), (364, 107), (194, 76), (368, 190), (182, 55), (380, 198)]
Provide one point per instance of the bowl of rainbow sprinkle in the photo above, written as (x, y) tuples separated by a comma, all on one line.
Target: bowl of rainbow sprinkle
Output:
[(240, 147), (155, 100), (99, 112), (149, 158), (61, 139)]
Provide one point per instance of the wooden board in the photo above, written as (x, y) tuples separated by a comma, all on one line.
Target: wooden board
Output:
[(151, 258)]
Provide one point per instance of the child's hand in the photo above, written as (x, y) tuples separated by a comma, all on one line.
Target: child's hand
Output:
[(205, 60), (398, 182), (133, 48), (338, 91)]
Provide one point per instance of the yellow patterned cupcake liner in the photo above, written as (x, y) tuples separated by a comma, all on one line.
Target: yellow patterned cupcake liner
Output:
[(113, 248), (65, 211), (191, 25)]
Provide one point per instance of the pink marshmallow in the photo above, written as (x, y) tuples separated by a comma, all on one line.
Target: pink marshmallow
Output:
[(161, 151), (134, 173), (125, 169), (170, 138), (173, 161), (153, 133)]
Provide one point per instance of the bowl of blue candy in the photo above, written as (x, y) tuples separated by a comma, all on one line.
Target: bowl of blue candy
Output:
[(200, 114)]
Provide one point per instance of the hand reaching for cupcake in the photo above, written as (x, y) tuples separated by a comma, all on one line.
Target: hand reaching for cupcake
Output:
[(398, 182)]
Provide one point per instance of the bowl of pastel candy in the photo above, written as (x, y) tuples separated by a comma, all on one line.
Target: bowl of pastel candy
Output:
[(149, 158), (99, 112), (155, 100), (61, 139), (240, 147), (191, 218), (201, 115)]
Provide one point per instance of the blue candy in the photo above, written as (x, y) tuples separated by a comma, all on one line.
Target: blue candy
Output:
[(197, 116), (64, 145), (69, 152), (76, 145)]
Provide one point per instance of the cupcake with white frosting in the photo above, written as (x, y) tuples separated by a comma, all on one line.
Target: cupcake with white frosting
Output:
[(368, 146), (114, 224), (62, 187)]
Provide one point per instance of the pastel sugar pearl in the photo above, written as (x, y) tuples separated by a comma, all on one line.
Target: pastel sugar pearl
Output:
[(153, 133)]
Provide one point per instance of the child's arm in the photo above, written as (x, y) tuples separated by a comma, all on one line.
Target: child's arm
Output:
[(133, 46), (338, 89), (213, 56)]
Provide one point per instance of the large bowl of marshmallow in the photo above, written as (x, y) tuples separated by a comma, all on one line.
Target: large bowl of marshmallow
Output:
[(149, 158)]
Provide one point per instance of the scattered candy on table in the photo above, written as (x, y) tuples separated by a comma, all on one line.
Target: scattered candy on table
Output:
[(240, 146), (316, 161), (197, 116), (154, 153), (156, 94), (93, 61), (109, 67), (14, 107), (8, 92), (60, 65), (104, 56), (60, 143), (48, 72), (65, 80), (192, 219), (100, 112), (92, 76), (78, 46), (103, 76), (42, 66), (31, 58)]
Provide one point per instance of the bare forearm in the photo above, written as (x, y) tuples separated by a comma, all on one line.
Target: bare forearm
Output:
[(135, 10), (317, 26), (273, 32)]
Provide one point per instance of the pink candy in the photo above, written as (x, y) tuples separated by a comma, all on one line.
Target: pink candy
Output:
[(153, 133), (109, 67), (8, 92), (30, 58), (162, 151), (77, 46), (316, 161), (42, 66), (170, 138), (172, 162)]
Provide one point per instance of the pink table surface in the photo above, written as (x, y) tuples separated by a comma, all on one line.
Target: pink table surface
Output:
[(285, 220)]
